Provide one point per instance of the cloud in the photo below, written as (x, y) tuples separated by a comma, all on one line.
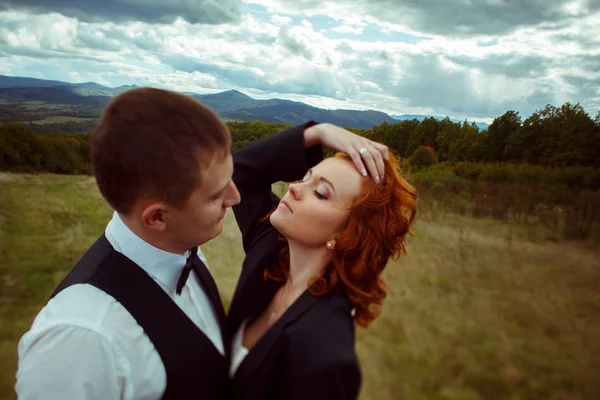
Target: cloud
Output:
[(150, 11), (356, 30), (449, 18), (295, 44), (511, 65), (294, 55)]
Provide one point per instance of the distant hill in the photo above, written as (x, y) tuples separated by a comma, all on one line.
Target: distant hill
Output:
[(31, 99), (481, 125), (75, 98)]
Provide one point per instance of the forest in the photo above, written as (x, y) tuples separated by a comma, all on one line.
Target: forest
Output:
[(544, 168)]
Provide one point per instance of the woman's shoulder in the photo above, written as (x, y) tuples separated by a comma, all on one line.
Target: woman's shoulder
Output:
[(325, 332)]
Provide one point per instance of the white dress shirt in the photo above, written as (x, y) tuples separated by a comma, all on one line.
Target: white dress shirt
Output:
[(238, 351), (85, 345)]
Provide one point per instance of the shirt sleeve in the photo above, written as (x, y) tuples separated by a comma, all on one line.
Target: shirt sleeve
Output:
[(69, 362)]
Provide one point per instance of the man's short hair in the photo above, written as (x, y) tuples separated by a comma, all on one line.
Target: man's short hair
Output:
[(153, 143)]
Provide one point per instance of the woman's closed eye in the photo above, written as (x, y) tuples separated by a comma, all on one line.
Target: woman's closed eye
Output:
[(321, 193)]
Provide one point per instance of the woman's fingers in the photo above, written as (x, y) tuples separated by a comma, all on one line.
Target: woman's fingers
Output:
[(373, 160), (383, 149), (368, 156), (357, 159), (367, 153)]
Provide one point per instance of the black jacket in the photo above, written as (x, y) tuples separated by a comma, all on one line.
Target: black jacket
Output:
[(309, 352)]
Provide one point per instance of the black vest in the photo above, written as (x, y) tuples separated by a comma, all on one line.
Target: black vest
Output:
[(194, 367)]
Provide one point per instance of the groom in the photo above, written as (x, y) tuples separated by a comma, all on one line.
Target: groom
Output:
[(139, 316)]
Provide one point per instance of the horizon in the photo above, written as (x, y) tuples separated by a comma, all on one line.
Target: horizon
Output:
[(464, 61)]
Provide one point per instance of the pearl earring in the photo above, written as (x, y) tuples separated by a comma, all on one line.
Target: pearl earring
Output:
[(330, 245)]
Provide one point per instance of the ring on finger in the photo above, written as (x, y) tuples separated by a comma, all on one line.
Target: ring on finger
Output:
[(362, 150)]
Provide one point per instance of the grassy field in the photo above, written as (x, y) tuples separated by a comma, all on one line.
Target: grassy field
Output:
[(477, 311), (58, 118)]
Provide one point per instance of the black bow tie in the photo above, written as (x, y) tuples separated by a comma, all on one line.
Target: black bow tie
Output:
[(185, 273)]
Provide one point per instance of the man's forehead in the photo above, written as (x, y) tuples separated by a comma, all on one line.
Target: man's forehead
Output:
[(217, 173)]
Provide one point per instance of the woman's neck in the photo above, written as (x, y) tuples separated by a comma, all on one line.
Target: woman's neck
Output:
[(305, 264)]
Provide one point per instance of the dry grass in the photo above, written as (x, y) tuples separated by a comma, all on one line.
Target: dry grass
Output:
[(475, 312), (57, 118)]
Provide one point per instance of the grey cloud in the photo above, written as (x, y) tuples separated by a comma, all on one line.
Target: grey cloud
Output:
[(247, 37), (313, 81), (344, 48), (47, 54), (582, 82), (292, 44), (511, 65), (587, 62), (147, 41), (150, 11), (98, 42), (423, 82), (453, 18), (383, 56)]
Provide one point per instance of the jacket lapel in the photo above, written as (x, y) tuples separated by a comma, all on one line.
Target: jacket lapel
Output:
[(261, 349), (212, 292)]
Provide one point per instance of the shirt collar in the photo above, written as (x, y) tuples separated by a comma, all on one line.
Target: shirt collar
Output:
[(161, 265)]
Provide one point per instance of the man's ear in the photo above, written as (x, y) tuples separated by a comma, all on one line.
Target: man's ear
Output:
[(155, 216)]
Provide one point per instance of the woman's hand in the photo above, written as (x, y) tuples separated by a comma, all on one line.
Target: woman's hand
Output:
[(365, 153)]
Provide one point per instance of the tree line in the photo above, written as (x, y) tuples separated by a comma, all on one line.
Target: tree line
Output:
[(554, 137)]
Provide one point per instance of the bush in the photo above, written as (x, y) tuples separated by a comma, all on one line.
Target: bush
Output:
[(423, 158), (25, 151)]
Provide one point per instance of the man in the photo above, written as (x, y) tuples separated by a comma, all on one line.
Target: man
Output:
[(130, 321)]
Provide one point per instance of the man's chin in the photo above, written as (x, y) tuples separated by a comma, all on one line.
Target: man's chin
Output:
[(217, 230)]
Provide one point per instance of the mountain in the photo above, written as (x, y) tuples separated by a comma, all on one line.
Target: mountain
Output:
[(228, 101), (481, 125), (30, 99), (17, 81)]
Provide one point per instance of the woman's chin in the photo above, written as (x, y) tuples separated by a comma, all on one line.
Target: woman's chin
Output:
[(277, 220)]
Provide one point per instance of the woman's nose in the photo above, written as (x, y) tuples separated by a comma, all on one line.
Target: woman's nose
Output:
[(295, 191)]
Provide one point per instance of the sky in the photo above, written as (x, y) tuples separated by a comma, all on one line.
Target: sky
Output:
[(462, 58)]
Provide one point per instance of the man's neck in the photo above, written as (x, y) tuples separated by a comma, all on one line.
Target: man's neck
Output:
[(158, 241)]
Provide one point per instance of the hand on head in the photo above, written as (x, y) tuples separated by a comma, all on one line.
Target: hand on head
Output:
[(366, 154)]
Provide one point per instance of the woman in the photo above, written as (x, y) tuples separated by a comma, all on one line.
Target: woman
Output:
[(312, 266)]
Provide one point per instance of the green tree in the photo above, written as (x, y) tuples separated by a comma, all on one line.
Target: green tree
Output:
[(425, 134), (447, 134), (422, 158), (524, 145), (571, 138), (461, 149), (479, 151), (500, 132), (400, 136), (557, 137)]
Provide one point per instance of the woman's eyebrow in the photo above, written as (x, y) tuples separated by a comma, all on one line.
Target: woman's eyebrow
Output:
[(321, 178)]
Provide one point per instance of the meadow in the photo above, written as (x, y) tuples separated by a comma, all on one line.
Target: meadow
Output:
[(480, 309), (58, 119)]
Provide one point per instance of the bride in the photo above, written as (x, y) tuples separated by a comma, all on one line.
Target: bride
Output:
[(313, 259)]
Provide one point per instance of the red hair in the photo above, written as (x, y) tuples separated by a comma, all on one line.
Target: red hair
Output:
[(376, 229)]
